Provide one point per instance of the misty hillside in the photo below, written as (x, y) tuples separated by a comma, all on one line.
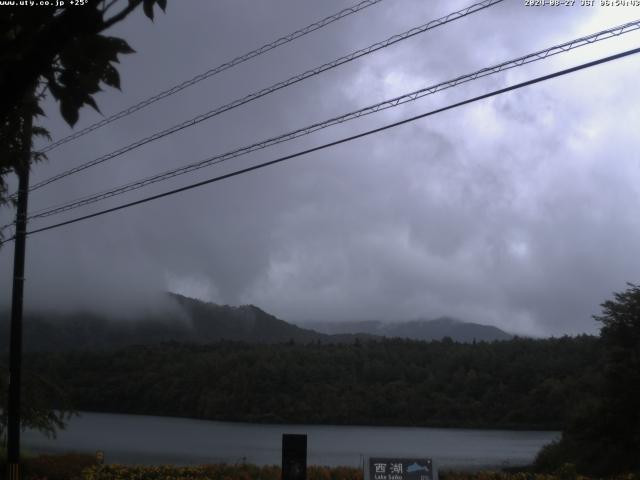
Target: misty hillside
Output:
[(416, 329), (193, 321)]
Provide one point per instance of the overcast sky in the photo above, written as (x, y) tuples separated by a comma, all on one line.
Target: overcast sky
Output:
[(520, 211)]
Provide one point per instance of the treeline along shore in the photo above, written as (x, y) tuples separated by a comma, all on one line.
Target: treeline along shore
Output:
[(515, 384)]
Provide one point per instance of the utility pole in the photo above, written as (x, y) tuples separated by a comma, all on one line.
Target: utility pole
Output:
[(15, 349)]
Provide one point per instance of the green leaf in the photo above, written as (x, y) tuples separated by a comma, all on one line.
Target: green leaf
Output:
[(40, 132), (69, 110), (55, 88), (147, 6), (90, 101), (119, 45), (162, 4), (87, 83), (111, 77)]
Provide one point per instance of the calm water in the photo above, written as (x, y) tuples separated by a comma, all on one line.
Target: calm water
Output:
[(156, 440)]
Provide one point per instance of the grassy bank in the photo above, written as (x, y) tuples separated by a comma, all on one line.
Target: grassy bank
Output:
[(84, 467)]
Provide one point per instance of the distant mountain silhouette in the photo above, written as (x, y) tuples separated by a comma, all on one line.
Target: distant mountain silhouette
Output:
[(415, 329), (193, 321)]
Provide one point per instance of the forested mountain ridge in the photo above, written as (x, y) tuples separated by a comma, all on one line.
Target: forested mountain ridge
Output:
[(214, 322), (187, 321), (421, 329), (194, 321)]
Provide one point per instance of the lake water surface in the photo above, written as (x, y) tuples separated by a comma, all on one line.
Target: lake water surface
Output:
[(137, 439)]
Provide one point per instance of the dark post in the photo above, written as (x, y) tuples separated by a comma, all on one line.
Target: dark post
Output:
[(15, 349), (294, 457)]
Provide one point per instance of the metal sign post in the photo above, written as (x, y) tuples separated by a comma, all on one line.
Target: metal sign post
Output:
[(294, 457)]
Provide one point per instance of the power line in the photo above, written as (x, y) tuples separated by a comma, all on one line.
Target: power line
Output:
[(275, 87), (393, 102), (10, 239), (214, 71), (344, 140)]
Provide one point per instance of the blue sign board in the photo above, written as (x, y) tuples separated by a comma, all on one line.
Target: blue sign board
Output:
[(400, 468)]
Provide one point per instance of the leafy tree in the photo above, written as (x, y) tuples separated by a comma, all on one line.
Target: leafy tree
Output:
[(56, 50), (604, 436), (61, 51), (39, 396), (619, 413)]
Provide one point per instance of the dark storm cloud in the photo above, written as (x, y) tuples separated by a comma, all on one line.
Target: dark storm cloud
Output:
[(514, 211)]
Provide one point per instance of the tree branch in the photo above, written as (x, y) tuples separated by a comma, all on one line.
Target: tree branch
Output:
[(121, 15), (107, 5)]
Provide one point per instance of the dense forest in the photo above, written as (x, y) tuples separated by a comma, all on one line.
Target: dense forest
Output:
[(522, 383)]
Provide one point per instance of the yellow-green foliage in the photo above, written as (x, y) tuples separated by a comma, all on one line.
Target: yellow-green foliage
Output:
[(68, 466), (83, 467), (560, 475), (252, 472), (212, 472)]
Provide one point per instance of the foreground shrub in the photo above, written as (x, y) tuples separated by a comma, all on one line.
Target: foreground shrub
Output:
[(335, 473), (212, 472), (566, 473), (83, 467), (69, 466)]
